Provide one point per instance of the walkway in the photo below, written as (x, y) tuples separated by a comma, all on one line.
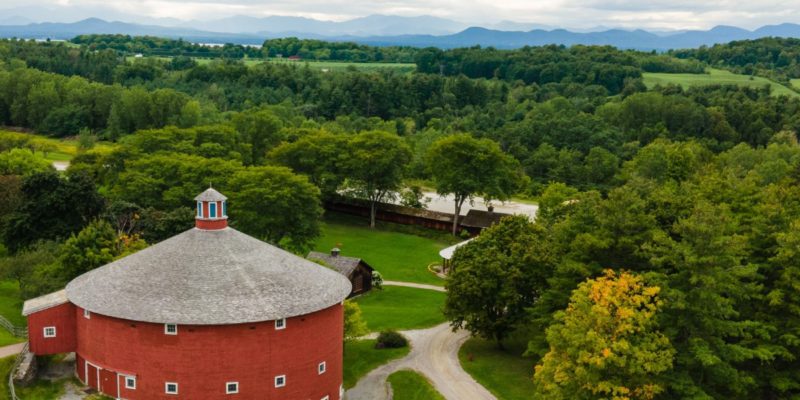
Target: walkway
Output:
[(434, 353), (415, 285), (11, 350)]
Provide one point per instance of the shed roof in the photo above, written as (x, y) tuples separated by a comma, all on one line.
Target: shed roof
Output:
[(481, 219), (210, 195), (345, 265), (208, 277), (42, 303)]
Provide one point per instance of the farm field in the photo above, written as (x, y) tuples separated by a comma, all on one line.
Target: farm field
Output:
[(53, 149), (410, 385), (401, 308), (361, 356), (319, 65), (394, 250), (505, 373), (715, 77)]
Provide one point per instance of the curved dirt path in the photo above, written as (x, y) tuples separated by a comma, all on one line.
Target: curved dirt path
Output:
[(434, 353)]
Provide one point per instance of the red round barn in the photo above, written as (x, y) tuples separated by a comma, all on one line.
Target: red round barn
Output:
[(208, 314)]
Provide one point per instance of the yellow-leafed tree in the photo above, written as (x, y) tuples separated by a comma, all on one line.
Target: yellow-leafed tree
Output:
[(606, 344)]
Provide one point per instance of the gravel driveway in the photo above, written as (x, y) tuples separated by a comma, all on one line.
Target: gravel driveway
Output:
[(434, 353)]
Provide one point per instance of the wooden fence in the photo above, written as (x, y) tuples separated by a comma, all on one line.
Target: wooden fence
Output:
[(17, 361), (17, 331)]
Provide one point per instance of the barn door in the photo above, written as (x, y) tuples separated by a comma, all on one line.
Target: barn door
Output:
[(358, 282), (92, 376)]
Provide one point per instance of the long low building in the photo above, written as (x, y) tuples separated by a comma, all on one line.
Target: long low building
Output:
[(208, 314)]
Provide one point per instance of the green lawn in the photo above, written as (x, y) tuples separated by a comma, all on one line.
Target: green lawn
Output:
[(795, 83), (398, 252), (10, 303), (361, 356), (715, 77), (409, 385), (11, 309), (401, 308), (503, 372)]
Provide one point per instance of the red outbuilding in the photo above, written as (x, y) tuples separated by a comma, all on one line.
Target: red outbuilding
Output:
[(211, 313)]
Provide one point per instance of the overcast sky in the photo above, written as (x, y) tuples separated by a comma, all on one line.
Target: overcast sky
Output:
[(651, 14)]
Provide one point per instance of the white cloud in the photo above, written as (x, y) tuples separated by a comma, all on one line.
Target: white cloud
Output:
[(660, 14)]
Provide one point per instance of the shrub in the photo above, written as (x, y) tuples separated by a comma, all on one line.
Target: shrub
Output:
[(391, 340)]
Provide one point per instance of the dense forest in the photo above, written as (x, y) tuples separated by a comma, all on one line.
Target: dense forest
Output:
[(683, 201)]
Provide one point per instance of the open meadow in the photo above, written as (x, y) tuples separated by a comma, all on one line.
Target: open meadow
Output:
[(715, 77), (313, 64)]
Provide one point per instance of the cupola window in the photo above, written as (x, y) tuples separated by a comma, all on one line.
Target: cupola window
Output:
[(199, 210), (212, 210)]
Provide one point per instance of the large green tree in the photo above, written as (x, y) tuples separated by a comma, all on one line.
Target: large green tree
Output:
[(374, 164), (316, 156), (464, 167), (276, 205), (496, 277), (52, 207)]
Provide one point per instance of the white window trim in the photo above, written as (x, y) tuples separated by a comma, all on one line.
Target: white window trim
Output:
[(282, 322), (166, 387), (87, 314), (46, 335), (280, 385), (166, 329), (133, 378), (322, 368), (228, 389)]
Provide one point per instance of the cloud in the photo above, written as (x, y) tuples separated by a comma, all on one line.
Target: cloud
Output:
[(661, 14)]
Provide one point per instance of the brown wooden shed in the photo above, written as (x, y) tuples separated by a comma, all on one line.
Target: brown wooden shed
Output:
[(355, 269)]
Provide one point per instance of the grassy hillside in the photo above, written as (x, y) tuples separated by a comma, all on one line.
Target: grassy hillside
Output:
[(715, 77)]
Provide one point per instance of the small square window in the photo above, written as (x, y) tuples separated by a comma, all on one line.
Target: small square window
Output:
[(326, 398), (321, 368), (50, 332), (170, 329), (280, 323), (87, 314), (171, 388), (280, 381), (232, 388), (130, 382)]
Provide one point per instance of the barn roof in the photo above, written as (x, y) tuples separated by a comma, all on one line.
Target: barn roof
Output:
[(208, 277), (42, 303), (345, 265)]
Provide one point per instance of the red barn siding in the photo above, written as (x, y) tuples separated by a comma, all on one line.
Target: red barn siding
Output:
[(63, 318), (201, 359)]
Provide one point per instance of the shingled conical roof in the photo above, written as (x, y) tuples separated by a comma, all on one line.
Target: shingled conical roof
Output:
[(208, 277)]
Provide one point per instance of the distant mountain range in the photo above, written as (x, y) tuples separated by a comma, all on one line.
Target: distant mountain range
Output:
[(382, 30)]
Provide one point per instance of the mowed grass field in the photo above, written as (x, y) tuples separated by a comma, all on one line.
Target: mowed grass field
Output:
[(505, 373), (410, 385), (393, 250), (715, 77), (361, 356), (401, 308), (318, 65)]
